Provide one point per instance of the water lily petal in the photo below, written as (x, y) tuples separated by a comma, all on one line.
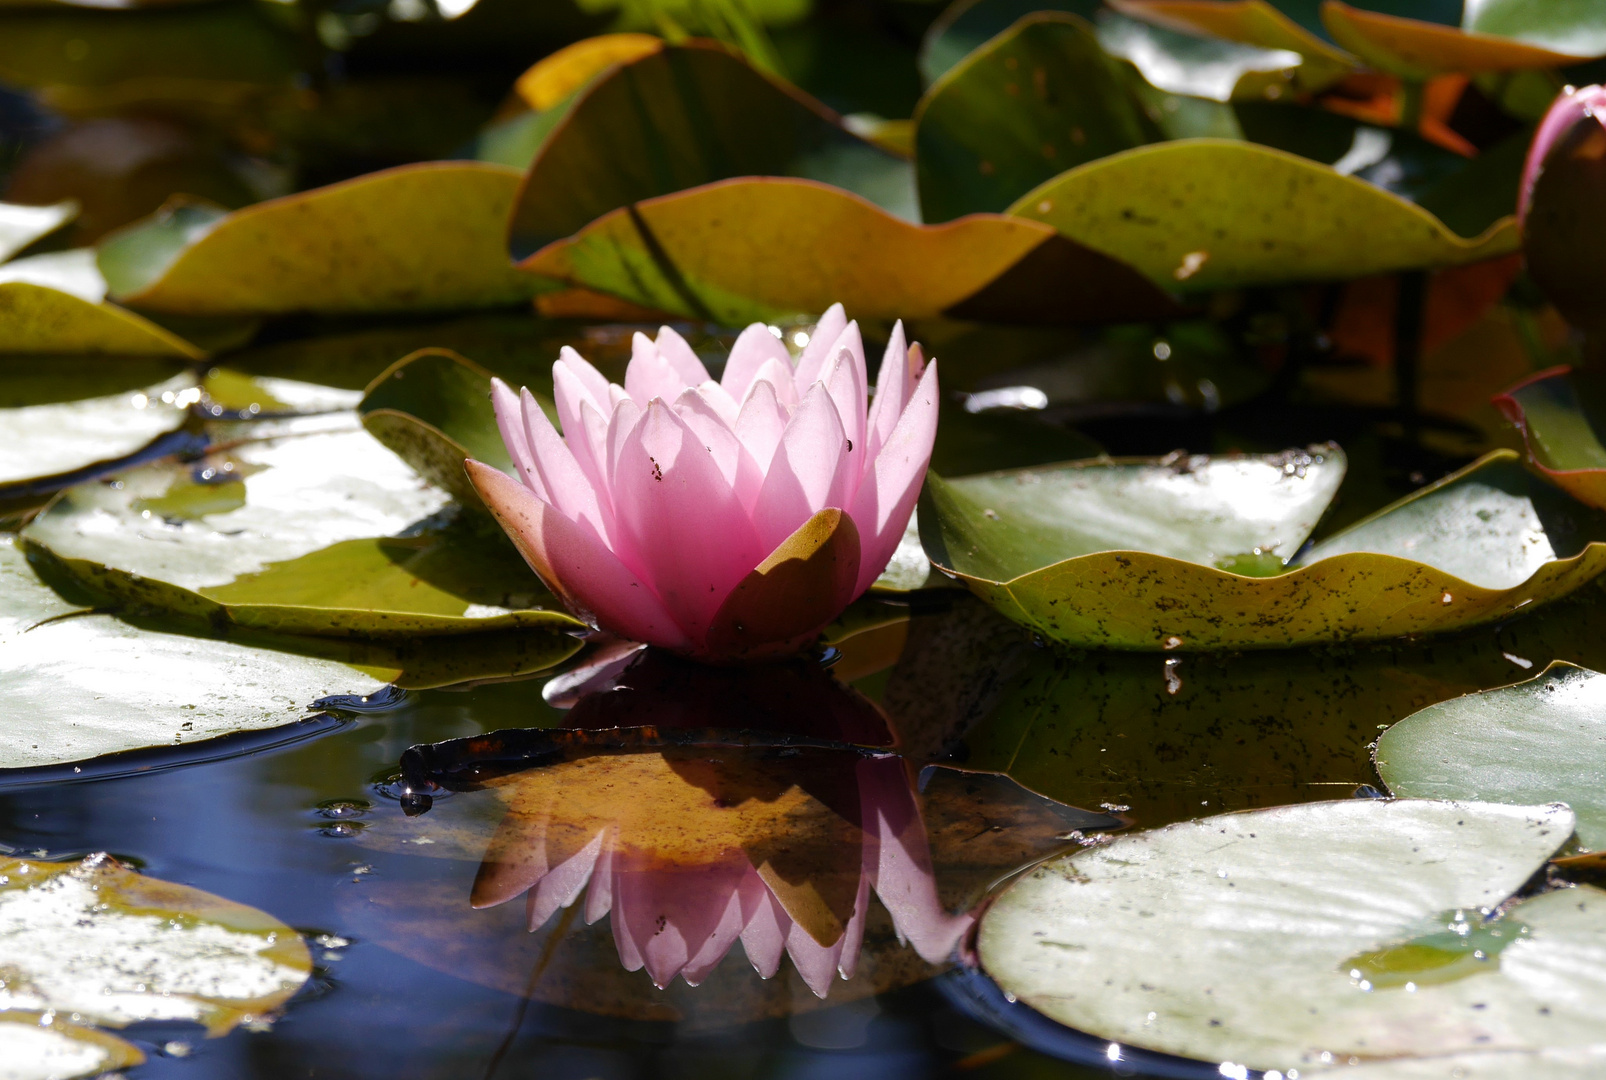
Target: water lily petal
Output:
[(826, 331), (899, 861), (892, 388), (665, 916), (760, 425), (735, 464), (573, 397), (755, 346), (585, 376), (764, 936), (510, 422), (682, 357), (599, 897), (807, 472), (887, 496), (743, 905), (683, 519), (650, 374), (568, 487), (844, 381), (778, 376), (575, 563)]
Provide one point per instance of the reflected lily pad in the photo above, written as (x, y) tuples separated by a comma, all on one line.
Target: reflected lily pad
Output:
[(424, 237), (324, 534), (98, 941), (681, 116), (1193, 553), (58, 1050), (1310, 936), (62, 438), (778, 249), (1543, 739), (433, 409), (78, 684), (1213, 213), (1494, 35), (1557, 412), (22, 225)]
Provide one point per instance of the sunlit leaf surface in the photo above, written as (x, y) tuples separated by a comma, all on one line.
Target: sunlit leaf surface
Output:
[(1540, 740), (51, 438), (1299, 937), (22, 225), (100, 942), (1163, 569), (324, 533), (58, 1050)]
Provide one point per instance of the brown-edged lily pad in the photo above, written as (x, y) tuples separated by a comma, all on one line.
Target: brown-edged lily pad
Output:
[(1192, 554), (1216, 213), (779, 249), (1559, 413), (1543, 740), (1494, 35), (325, 534), (681, 116), (424, 237)]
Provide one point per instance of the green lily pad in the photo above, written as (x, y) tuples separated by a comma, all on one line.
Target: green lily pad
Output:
[(424, 237), (79, 684), (1191, 554), (1310, 936), (1175, 736), (1029, 104), (58, 1050), (1495, 35), (1542, 739), (684, 116), (779, 250), (433, 409), (61, 438), (22, 225), (1558, 413), (324, 534), (1213, 213), (97, 941)]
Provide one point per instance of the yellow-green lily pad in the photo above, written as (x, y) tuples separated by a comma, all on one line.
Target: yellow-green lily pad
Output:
[(326, 533), (1195, 554), (779, 249), (99, 942), (1198, 214), (424, 237), (1494, 35), (686, 115), (40, 319), (1543, 740)]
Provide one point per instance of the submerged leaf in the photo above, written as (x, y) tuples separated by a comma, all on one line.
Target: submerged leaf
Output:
[(1473, 548), (95, 940), (424, 237), (1308, 936), (1540, 740)]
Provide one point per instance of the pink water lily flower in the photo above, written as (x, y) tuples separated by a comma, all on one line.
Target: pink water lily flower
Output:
[(722, 520)]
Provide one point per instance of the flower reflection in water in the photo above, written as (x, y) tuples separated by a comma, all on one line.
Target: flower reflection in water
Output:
[(694, 847)]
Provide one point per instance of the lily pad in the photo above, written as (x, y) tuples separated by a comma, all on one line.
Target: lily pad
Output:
[(58, 1050), (1190, 554), (40, 319), (323, 534), (1024, 107), (79, 684), (62, 438), (433, 409), (1310, 936), (96, 940), (1557, 412), (1213, 213), (780, 249), (424, 237), (22, 225), (1495, 35), (686, 115), (1540, 739)]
